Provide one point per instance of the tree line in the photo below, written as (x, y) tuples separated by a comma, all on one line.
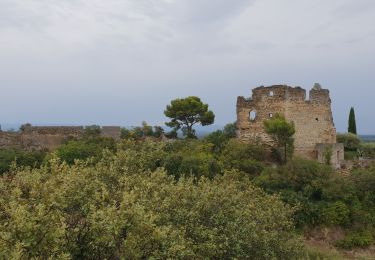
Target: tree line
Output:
[(145, 197)]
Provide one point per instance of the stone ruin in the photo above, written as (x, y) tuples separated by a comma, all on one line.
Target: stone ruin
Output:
[(49, 137), (315, 130)]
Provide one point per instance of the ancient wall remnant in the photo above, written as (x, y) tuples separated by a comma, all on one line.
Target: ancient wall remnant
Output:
[(10, 140), (111, 131), (334, 151), (48, 137), (312, 117)]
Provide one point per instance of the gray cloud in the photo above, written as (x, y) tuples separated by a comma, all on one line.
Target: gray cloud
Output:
[(121, 62)]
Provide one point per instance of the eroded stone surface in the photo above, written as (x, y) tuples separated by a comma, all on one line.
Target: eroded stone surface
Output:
[(312, 118), (49, 137)]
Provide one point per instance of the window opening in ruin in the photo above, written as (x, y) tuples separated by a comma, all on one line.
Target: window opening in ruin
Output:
[(252, 115), (271, 115), (317, 119), (338, 156), (271, 93)]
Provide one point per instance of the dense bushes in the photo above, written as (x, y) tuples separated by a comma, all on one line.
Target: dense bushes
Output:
[(107, 211), (354, 147), (197, 158), (176, 199), (359, 239), (83, 149), (141, 132), (323, 197), (19, 158), (219, 138), (368, 150), (190, 158), (244, 157), (351, 141)]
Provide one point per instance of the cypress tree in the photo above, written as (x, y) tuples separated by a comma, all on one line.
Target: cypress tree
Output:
[(352, 127)]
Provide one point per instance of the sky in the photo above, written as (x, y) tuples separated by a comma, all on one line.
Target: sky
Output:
[(120, 62)]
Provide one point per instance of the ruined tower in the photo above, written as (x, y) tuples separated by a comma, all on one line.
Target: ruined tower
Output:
[(315, 130)]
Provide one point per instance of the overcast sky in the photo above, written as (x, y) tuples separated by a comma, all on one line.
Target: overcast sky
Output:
[(121, 61)]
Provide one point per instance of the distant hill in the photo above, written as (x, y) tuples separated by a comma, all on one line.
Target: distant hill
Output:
[(9, 127), (367, 138)]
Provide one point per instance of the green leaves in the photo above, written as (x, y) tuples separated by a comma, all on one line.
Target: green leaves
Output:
[(107, 211), (352, 125), (351, 141), (186, 112), (281, 132), (20, 158), (85, 148), (279, 128)]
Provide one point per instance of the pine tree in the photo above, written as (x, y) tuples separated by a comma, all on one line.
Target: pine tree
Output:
[(352, 127)]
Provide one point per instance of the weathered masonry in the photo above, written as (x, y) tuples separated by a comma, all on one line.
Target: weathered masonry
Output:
[(49, 137), (315, 130)]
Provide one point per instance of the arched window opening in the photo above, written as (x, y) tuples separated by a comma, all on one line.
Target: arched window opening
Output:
[(270, 115), (271, 93), (252, 115)]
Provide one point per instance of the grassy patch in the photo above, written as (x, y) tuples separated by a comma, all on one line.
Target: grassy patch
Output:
[(351, 155)]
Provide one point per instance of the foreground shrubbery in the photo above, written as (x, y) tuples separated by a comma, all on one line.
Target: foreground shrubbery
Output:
[(368, 150), (90, 147), (110, 211), (178, 199), (354, 148), (20, 158)]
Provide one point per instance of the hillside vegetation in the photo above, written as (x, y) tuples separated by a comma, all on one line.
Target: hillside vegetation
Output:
[(146, 198)]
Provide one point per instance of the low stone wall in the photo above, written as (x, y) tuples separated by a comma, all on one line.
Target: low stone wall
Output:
[(360, 163), (111, 131), (54, 130), (10, 140), (336, 150), (48, 137)]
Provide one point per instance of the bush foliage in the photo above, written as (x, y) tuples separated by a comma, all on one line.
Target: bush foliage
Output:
[(107, 211), (146, 198)]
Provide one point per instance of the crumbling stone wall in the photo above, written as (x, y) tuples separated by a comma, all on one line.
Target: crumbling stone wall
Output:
[(111, 131), (53, 130), (312, 117), (336, 154), (10, 140), (48, 137)]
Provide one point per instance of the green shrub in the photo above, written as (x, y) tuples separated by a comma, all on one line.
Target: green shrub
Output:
[(243, 157), (171, 134), (321, 196), (158, 131), (108, 211), (359, 239), (190, 158), (299, 175), (328, 155), (368, 150), (351, 141), (92, 131), (20, 158), (126, 134), (350, 155), (252, 167), (336, 213), (319, 253), (219, 138), (85, 148)]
